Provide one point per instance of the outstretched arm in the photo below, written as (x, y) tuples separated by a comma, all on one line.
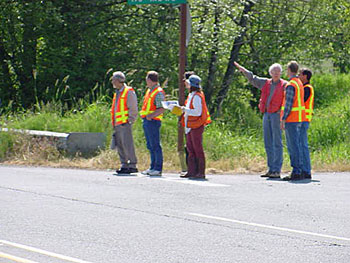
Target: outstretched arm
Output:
[(240, 68), (256, 81)]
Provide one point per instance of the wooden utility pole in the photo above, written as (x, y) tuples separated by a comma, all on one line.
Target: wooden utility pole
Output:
[(182, 63)]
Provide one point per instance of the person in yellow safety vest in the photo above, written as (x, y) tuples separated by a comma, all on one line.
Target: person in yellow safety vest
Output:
[(152, 115), (292, 116), (124, 113), (305, 77)]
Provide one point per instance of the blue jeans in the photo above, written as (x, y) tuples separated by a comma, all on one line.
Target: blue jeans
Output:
[(304, 146), (152, 134), (292, 130), (273, 141)]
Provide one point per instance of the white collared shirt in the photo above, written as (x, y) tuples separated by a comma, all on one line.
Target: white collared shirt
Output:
[(197, 108)]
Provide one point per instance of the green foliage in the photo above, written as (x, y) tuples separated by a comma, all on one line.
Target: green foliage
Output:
[(224, 143), (61, 50), (237, 112), (331, 125), (6, 143), (329, 88)]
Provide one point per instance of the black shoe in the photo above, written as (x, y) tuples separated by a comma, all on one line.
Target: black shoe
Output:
[(266, 175), (198, 176), (306, 175), (293, 177), (133, 170), (275, 175), (187, 175), (123, 171)]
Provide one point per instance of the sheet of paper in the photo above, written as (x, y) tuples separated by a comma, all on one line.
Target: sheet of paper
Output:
[(169, 105)]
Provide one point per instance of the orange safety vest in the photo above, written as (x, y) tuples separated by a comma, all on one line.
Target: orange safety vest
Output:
[(297, 113), (120, 110), (148, 103), (195, 122), (309, 104)]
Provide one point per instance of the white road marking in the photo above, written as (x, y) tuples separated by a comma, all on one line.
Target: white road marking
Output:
[(174, 179), (193, 182), (270, 227), (15, 258), (43, 252)]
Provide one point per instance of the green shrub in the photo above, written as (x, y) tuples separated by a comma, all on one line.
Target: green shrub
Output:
[(6, 144), (329, 88)]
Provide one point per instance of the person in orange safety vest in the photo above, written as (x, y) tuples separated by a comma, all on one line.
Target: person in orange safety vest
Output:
[(292, 117), (124, 113), (195, 117)]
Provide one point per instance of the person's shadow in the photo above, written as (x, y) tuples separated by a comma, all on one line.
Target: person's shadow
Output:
[(304, 181), (125, 175), (198, 179)]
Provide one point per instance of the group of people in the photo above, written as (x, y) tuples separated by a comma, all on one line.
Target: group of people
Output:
[(286, 105), (124, 111)]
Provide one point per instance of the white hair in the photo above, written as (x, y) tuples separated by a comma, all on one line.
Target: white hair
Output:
[(119, 75), (275, 65)]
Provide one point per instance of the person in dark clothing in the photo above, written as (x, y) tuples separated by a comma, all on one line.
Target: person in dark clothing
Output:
[(305, 77)]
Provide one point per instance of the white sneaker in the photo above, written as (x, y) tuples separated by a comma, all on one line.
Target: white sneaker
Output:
[(146, 172), (155, 173)]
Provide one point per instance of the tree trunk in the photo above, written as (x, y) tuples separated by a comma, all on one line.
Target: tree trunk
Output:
[(28, 57), (209, 89), (8, 91), (216, 107)]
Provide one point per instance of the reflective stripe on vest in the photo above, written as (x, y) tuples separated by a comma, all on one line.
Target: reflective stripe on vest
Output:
[(148, 106), (309, 104), (297, 113), (120, 111)]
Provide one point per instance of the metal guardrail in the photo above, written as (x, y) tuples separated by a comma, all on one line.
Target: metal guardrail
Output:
[(86, 143)]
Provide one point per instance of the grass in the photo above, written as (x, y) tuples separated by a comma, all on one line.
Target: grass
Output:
[(230, 147)]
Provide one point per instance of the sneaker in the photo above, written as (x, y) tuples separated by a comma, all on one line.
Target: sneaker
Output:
[(275, 175), (133, 170), (155, 173), (123, 171), (146, 172), (266, 175)]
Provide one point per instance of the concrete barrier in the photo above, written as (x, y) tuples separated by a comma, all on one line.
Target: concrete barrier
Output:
[(86, 143)]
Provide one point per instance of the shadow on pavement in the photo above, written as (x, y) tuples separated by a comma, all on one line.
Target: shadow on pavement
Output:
[(125, 175), (304, 181)]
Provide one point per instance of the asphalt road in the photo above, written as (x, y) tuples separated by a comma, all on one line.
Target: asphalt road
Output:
[(67, 215)]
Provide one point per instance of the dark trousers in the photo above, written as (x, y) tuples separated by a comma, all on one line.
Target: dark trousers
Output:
[(152, 133), (196, 157)]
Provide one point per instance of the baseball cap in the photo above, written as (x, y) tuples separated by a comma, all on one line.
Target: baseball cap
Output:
[(194, 81)]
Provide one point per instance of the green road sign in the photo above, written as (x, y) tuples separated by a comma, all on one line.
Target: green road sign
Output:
[(141, 2)]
